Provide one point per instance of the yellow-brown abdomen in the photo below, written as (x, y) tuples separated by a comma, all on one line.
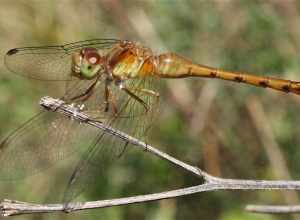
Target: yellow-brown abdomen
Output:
[(171, 65)]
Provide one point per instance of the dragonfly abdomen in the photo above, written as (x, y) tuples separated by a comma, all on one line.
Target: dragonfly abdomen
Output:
[(267, 82), (170, 65)]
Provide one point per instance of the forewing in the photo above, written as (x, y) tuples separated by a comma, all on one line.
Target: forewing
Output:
[(49, 62)]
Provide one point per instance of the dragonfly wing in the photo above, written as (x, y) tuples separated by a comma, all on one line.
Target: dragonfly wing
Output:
[(49, 62), (132, 118), (88, 169), (102, 153), (41, 64), (39, 143)]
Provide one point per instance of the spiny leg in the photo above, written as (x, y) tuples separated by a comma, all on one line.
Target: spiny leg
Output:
[(108, 94), (109, 101), (114, 103), (148, 92), (135, 97), (106, 97), (86, 94)]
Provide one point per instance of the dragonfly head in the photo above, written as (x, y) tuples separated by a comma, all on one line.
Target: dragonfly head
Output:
[(87, 63)]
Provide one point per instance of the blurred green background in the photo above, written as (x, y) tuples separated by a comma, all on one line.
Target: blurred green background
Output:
[(228, 129)]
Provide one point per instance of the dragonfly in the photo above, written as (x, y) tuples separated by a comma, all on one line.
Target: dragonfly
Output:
[(116, 81)]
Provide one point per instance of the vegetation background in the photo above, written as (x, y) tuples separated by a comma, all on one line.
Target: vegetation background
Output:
[(228, 129)]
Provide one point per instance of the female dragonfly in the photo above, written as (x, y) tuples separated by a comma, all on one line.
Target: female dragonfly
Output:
[(115, 80)]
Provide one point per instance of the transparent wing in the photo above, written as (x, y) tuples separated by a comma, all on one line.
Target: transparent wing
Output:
[(39, 143), (49, 62), (132, 118)]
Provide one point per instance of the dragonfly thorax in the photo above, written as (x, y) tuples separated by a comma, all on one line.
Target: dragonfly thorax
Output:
[(87, 63)]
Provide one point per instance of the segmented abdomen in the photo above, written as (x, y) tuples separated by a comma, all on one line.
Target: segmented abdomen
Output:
[(171, 65)]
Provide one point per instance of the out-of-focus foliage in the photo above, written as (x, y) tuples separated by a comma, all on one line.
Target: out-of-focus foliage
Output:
[(228, 129)]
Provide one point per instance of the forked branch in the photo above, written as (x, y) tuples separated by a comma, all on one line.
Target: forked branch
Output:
[(211, 183)]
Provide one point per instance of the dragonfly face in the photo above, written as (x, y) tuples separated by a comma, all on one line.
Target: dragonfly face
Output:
[(87, 63)]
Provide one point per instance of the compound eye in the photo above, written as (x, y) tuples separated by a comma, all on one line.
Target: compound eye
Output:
[(87, 50), (92, 57)]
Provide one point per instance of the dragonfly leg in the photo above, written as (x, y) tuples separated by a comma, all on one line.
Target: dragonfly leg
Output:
[(106, 97), (108, 94), (114, 105), (148, 92), (130, 93), (86, 94)]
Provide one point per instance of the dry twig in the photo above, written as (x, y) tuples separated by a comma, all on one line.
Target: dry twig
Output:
[(211, 183), (273, 209)]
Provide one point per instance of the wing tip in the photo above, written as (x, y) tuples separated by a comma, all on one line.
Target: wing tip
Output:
[(12, 52)]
